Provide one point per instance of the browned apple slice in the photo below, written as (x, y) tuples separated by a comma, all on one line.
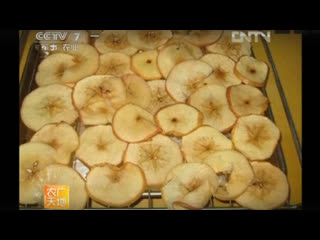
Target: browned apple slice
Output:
[(98, 145), (203, 37), (48, 104), (97, 97), (246, 100), (268, 190), (148, 39), (212, 101), (222, 69), (159, 96), (114, 41), (132, 123), (137, 90), (145, 65), (116, 64), (190, 186), (116, 186), (60, 136), (32, 158), (255, 136), (252, 71), (198, 145), (227, 47), (234, 173), (178, 119), (156, 158), (186, 77)]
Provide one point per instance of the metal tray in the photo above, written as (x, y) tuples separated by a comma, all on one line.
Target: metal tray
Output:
[(28, 84)]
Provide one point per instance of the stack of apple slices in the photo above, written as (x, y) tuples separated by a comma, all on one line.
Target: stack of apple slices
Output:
[(179, 112)]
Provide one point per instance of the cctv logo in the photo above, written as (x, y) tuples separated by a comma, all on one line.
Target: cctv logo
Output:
[(240, 37), (49, 36)]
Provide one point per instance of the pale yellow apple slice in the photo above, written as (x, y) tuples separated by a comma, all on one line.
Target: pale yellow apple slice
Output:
[(178, 39), (116, 186), (186, 77), (268, 190), (52, 69), (58, 174), (148, 39), (255, 136), (172, 55), (116, 64), (190, 186), (159, 96), (246, 100), (48, 104), (145, 65), (60, 136), (137, 90), (132, 123), (178, 119), (32, 158), (114, 41), (86, 63), (155, 157), (227, 47), (203, 37), (200, 144), (222, 69), (252, 71), (212, 101), (98, 145), (234, 173), (97, 97)]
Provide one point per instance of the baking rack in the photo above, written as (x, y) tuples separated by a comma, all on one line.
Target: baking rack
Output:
[(28, 84)]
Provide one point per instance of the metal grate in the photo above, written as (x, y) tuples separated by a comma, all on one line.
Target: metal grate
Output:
[(28, 84)]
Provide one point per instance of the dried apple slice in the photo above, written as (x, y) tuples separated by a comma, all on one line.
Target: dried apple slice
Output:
[(190, 186), (148, 39), (172, 55), (137, 90), (60, 136), (200, 144), (268, 190), (116, 64), (155, 157), (252, 71), (179, 40), (234, 173), (86, 63), (246, 100), (225, 46), (145, 65), (222, 69), (116, 186), (97, 97), (58, 174), (178, 119), (48, 104), (52, 69), (212, 101), (186, 77), (203, 37), (159, 96), (114, 41), (33, 158), (255, 136), (98, 145), (132, 123)]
